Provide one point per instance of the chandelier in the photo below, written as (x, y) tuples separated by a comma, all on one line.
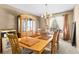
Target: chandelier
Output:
[(46, 15)]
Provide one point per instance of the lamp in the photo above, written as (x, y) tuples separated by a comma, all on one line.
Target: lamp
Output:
[(46, 15)]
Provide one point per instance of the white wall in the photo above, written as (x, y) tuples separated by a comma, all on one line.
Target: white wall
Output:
[(76, 18), (7, 20)]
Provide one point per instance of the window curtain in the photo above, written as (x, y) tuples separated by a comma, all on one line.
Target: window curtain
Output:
[(66, 28), (56, 22), (60, 21)]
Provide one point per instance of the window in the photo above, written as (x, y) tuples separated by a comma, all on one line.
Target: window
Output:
[(57, 22), (60, 21)]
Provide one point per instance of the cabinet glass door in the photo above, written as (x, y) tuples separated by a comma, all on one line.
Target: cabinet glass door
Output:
[(24, 25)]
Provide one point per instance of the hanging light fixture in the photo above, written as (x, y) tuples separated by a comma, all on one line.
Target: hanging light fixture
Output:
[(46, 15)]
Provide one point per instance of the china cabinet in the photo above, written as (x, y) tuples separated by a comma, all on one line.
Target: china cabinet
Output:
[(26, 24)]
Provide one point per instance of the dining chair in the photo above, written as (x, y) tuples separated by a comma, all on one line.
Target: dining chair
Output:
[(23, 34), (16, 49), (58, 39), (55, 42), (13, 39)]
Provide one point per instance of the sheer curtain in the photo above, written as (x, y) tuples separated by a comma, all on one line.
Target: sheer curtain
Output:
[(57, 22), (60, 21)]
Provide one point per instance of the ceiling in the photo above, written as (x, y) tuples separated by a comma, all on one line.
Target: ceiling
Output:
[(39, 9)]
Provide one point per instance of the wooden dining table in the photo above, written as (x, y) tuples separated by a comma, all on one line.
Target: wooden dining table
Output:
[(39, 47)]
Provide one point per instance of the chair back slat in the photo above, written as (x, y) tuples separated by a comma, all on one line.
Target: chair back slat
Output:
[(13, 39), (55, 42)]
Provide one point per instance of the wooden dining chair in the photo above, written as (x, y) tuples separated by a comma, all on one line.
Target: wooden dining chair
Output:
[(23, 34), (16, 49), (13, 39), (58, 39), (55, 42)]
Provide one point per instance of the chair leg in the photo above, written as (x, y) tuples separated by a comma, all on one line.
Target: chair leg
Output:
[(52, 50), (31, 52), (58, 46)]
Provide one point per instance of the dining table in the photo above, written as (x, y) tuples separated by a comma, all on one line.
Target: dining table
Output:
[(39, 47)]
